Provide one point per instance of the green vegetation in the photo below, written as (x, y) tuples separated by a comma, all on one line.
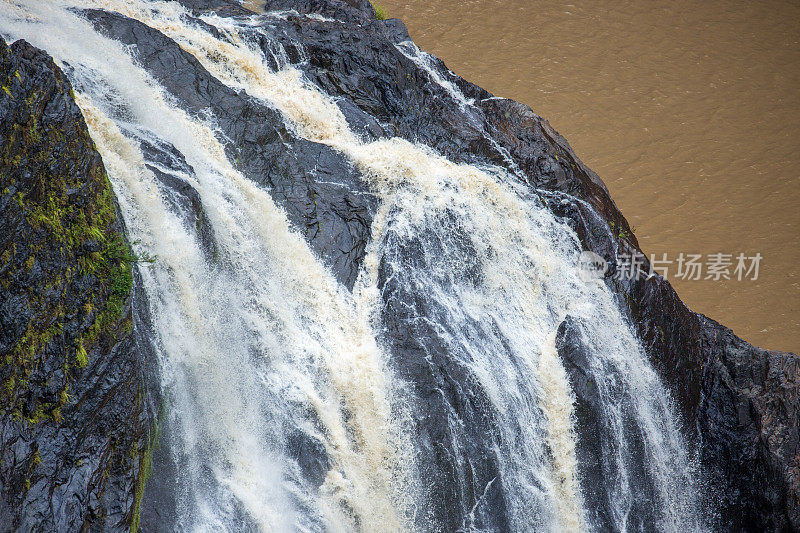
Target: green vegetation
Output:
[(110, 268), (620, 232), (81, 357), (380, 13), (77, 251), (146, 467)]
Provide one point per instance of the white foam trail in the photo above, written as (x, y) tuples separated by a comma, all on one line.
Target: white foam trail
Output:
[(425, 62), (250, 344), (192, 346), (558, 409)]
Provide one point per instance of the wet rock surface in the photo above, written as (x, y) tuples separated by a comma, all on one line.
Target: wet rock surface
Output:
[(322, 194), (595, 440), (749, 411), (739, 404), (78, 409)]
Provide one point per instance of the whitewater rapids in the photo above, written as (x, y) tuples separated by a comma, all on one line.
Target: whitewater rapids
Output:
[(260, 344)]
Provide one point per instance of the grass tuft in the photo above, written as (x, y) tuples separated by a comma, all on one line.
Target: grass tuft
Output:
[(81, 357), (380, 13)]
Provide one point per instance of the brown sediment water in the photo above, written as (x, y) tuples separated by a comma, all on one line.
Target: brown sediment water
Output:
[(689, 110), (256, 6)]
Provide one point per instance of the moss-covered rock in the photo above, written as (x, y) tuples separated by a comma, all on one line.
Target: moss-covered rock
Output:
[(75, 406)]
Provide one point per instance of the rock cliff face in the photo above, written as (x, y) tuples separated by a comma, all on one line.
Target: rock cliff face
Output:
[(77, 421), (77, 374)]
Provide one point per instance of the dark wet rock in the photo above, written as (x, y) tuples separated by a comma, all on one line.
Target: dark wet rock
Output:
[(589, 422), (77, 406), (169, 167), (455, 435), (749, 411), (158, 508), (185, 201), (596, 446), (324, 197), (310, 454), (739, 404)]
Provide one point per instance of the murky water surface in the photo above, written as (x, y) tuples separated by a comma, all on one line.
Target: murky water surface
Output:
[(689, 110)]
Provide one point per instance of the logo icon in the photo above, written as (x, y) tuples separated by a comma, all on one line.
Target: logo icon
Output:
[(592, 266)]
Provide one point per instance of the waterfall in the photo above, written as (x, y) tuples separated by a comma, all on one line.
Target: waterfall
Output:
[(260, 347)]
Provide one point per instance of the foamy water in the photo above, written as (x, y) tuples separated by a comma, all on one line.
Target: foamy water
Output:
[(263, 341)]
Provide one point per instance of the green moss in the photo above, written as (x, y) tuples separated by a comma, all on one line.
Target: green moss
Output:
[(73, 227), (145, 471), (127, 325), (33, 340), (63, 396), (81, 357), (114, 265), (380, 13), (146, 468), (29, 101), (83, 263), (38, 415)]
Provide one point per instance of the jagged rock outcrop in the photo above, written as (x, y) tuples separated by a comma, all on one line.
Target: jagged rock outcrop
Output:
[(78, 414), (748, 417), (739, 403)]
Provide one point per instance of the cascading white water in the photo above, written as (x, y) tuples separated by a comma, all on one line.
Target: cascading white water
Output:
[(425, 62), (263, 341), (251, 344)]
